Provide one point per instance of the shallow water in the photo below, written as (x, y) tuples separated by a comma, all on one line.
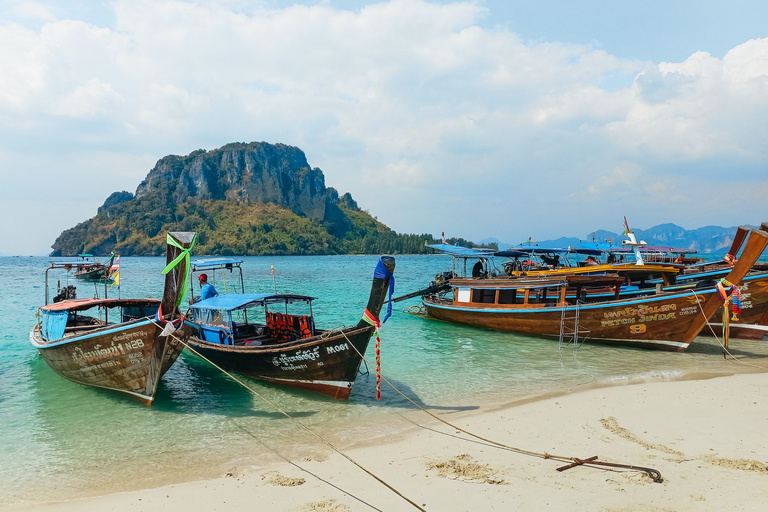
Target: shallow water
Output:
[(64, 440)]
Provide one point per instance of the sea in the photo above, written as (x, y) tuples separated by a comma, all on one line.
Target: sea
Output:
[(62, 440)]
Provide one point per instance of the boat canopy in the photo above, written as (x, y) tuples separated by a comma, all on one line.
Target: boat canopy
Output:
[(210, 263), (672, 250), (83, 304), (527, 250), (233, 301), (510, 253), (464, 252), (72, 263), (55, 316)]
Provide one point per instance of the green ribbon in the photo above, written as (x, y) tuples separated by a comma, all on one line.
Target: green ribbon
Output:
[(183, 256)]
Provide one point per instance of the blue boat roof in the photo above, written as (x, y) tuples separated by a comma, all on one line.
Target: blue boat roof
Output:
[(232, 301), (73, 263), (214, 263), (465, 252), (509, 253)]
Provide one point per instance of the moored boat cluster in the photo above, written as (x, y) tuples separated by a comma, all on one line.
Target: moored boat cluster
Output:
[(661, 304)]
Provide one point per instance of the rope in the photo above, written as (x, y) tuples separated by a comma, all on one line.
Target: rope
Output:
[(654, 474), (712, 330), (278, 409)]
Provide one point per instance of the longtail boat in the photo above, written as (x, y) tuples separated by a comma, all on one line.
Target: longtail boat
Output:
[(539, 306), (92, 270), (129, 356), (239, 332)]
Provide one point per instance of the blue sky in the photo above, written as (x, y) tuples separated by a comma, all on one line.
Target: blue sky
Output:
[(503, 119)]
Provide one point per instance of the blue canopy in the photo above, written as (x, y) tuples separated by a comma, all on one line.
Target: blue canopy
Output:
[(232, 301), (464, 252), (73, 263), (510, 253), (527, 249), (214, 263)]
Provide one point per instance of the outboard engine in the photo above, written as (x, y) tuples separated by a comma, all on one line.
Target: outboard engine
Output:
[(66, 293), (512, 266), (443, 277)]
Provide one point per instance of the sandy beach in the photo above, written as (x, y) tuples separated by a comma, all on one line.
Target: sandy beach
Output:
[(708, 439)]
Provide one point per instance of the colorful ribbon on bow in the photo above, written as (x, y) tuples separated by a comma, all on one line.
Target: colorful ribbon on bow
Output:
[(368, 317), (183, 256), (735, 298), (382, 272)]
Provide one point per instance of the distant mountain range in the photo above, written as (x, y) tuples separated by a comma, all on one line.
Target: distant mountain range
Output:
[(704, 240)]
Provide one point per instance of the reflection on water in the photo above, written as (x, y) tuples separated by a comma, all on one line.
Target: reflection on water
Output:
[(82, 440)]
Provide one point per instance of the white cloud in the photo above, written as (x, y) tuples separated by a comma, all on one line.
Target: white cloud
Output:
[(416, 92), (32, 11), (92, 99)]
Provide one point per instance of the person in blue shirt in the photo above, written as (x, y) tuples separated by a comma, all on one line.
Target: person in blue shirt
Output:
[(206, 290)]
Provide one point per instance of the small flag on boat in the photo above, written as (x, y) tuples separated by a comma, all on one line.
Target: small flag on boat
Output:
[(273, 269), (114, 272), (626, 227), (115, 265)]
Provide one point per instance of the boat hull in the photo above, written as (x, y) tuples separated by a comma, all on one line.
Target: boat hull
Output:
[(327, 363), (129, 358), (656, 322)]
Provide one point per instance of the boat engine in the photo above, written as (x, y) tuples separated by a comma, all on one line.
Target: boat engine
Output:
[(443, 277), (66, 293)]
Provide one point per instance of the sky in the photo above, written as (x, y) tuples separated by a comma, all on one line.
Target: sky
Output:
[(504, 119)]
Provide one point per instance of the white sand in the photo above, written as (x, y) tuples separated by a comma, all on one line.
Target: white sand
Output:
[(708, 438)]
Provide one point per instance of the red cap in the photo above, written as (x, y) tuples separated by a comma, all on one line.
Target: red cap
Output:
[(203, 276)]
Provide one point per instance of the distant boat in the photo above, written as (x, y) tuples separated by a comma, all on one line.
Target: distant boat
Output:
[(91, 270), (129, 356), (540, 306), (286, 349)]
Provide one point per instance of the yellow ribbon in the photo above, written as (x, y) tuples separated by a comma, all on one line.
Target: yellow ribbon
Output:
[(183, 256)]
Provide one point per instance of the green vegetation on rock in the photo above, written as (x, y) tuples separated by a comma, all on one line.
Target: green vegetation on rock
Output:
[(242, 199)]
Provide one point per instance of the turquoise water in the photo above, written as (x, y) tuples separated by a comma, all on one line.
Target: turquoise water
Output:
[(63, 440)]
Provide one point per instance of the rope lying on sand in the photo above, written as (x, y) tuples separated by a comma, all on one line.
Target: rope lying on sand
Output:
[(573, 461), (281, 411)]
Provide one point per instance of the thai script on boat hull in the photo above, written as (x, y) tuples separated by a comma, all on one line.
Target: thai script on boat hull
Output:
[(113, 350), (640, 314), (301, 355)]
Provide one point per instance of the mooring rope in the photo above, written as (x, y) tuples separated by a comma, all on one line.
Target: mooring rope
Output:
[(722, 345), (287, 415), (574, 461)]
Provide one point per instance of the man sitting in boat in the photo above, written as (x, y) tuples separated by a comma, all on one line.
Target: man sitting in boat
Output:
[(206, 290), (477, 270), (590, 261)]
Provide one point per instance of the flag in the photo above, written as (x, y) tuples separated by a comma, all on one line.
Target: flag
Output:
[(626, 227), (115, 265), (273, 270), (114, 272)]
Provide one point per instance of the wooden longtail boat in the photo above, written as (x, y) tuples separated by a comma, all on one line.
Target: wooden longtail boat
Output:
[(538, 306), (287, 349), (89, 270), (129, 356)]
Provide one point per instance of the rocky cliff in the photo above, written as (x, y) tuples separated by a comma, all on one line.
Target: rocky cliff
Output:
[(254, 198)]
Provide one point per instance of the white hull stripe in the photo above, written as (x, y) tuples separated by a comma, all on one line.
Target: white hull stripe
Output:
[(331, 383), (750, 327)]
